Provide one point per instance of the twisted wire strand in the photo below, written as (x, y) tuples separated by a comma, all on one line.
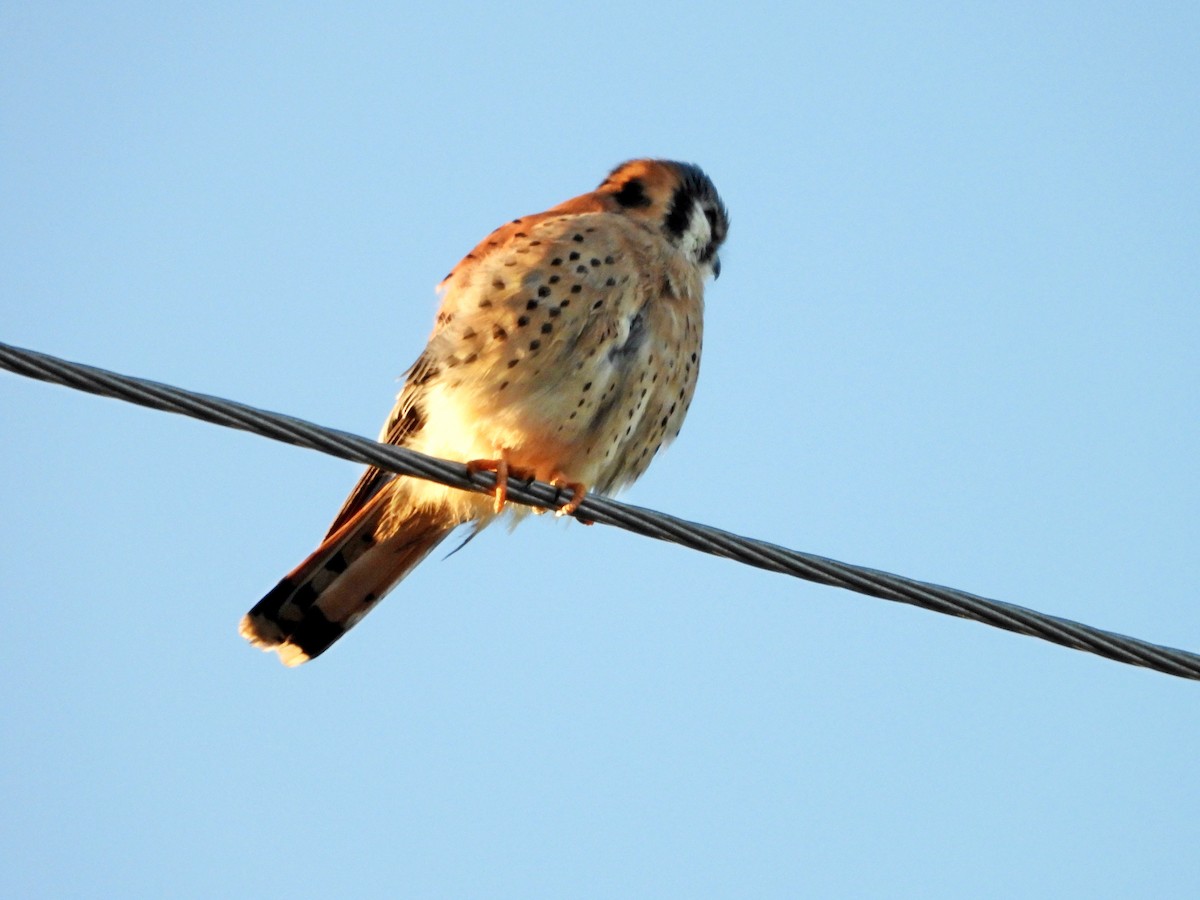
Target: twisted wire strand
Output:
[(641, 521)]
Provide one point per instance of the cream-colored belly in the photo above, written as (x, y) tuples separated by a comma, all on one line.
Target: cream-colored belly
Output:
[(596, 420)]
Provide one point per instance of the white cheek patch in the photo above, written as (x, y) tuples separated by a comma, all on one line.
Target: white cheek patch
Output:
[(698, 234)]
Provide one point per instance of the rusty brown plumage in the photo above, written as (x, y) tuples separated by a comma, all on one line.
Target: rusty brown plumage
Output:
[(567, 346)]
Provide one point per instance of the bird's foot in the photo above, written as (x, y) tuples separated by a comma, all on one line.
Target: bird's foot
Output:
[(503, 471), (578, 492)]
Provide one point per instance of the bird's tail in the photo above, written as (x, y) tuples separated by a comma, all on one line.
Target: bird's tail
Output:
[(343, 579)]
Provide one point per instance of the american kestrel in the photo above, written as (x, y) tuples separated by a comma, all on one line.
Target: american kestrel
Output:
[(566, 349)]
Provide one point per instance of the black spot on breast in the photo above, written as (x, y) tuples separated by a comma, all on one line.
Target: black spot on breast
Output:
[(547, 327), (577, 238), (534, 345), (574, 255), (581, 270), (610, 282), (557, 261), (632, 194), (485, 304), (609, 260), (575, 289), (498, 283), (553, 279), (513, 362), (532, 304), (499, 333), (543, 291), (522, 321), (594, 261), (553, 311), (470, 359)]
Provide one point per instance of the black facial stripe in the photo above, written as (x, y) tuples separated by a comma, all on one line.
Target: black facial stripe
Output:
[(680, 213), (632, 194), (701, 188)]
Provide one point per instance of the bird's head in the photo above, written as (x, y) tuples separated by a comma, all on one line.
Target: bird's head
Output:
[(679, 199)]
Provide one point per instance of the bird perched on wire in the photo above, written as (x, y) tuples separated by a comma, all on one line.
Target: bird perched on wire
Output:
[(566, 349)]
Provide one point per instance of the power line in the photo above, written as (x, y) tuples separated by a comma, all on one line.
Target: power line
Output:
[(645, 522)]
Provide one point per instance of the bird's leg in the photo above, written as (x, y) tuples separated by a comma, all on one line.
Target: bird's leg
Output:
[(500, 467), (578, 492), (503, 472)]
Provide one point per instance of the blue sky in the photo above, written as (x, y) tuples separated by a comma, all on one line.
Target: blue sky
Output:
[(955, 337)]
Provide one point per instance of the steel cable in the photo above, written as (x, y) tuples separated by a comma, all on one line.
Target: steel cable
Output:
[(641, 521)]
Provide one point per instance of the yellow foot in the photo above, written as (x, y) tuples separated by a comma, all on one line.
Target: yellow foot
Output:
[(578, 492), (503, 472)]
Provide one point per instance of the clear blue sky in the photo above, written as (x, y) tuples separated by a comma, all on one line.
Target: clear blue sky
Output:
[(956, 337)]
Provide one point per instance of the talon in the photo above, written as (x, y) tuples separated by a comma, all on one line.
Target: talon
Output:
[(503, 472), (578, 492)]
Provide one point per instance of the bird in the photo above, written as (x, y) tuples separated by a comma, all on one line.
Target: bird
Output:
[(566, 348)]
